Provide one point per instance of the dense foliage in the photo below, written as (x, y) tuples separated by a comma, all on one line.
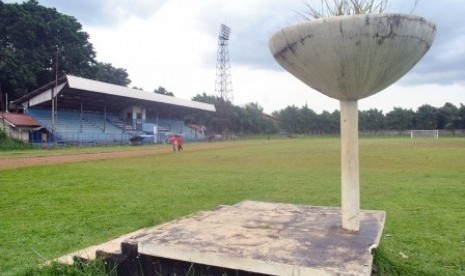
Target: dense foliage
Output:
[(32, 37), (306, 121), (249, 119), (9, 143), (229, 118)]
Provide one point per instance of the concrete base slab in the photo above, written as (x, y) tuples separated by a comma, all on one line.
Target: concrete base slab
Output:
[(266, 238), (270, 238)]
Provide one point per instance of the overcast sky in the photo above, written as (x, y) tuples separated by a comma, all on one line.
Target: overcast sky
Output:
[(173, 43)]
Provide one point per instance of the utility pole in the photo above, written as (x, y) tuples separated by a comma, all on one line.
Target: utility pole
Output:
[(54, 99), (1, 98)]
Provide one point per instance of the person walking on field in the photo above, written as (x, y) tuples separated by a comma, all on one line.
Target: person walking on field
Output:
[(173, 142), (179, 142)]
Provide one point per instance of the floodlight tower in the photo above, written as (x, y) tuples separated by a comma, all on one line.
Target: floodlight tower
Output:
[(223, 84)]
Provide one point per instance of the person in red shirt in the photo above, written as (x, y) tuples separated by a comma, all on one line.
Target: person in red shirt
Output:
[(173, 142), (179, 142)]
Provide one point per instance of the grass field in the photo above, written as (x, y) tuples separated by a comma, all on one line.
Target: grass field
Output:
[(47, 211)]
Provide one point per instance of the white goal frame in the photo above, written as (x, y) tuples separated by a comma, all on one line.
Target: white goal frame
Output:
[(424, 133)]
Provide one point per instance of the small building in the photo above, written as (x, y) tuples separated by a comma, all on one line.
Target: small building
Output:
[(19, 126)]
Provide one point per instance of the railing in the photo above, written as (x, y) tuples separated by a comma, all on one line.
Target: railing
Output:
[(92, 128)]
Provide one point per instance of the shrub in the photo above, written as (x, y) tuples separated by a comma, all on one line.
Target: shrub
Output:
[(9, 143)]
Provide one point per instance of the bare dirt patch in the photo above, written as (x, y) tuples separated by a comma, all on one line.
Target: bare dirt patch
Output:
[(19, 162)]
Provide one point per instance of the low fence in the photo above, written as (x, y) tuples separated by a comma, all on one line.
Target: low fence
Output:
[(80, 139), (100, 139), (43, 139)]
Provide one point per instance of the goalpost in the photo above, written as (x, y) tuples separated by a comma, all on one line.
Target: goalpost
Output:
[(420, 133)]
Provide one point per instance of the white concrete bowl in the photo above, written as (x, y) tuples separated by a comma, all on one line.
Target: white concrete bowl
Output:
[(353, 57)]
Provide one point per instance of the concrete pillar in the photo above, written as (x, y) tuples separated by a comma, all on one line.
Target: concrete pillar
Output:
[(350, 180)]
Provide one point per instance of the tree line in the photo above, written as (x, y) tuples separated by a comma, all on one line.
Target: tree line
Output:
[(249, 119), (231, 119), (305, 121)]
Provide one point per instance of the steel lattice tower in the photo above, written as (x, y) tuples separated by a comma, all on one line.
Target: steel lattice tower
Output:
[(223, 84)]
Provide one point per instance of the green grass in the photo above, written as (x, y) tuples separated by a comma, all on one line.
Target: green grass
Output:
[(47, 211), (11, 144)]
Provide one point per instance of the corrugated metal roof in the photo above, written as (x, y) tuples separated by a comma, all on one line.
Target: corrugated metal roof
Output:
[(19, 119), (73, 84), (116, 90)]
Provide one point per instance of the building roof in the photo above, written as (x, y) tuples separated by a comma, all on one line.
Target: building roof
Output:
[(19, 120), (72, 91)]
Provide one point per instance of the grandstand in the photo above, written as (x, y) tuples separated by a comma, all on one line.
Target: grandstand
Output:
[(75, 110)]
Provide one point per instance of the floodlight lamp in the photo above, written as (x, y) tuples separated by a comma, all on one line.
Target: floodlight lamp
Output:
[(225, 32)]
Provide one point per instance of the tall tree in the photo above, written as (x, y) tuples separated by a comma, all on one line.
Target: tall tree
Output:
[(447, 117), (288, 119), (372, 119), (461, 117), (425, 117), (211, 120), (35, 39), (229, 118), (400, 119), (107, 73), (252, 120), (308, 120), (330, 122)]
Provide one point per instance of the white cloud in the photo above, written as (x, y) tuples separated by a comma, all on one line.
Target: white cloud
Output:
[(163, 50), (276, 90), (412, 97)]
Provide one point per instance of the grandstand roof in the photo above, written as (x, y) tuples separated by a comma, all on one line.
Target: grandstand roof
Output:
[(72, 91)]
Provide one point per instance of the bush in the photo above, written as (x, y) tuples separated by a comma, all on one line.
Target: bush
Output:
[(8, 143)]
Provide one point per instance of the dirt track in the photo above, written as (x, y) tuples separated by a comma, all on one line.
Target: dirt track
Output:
[(60, 159), (12, 163)]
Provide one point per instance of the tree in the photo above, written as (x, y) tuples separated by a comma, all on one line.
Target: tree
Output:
[(107, 73), (252, 120), (425, 117), (35, 39), (229, 118), (288, 119), (211, 120), (461, 116), (372, 119), (400, 119), (448, 117), (163, 91), (330, 122), (308, 120)]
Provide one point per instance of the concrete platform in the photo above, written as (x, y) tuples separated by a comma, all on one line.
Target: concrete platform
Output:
[(267, 238)]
